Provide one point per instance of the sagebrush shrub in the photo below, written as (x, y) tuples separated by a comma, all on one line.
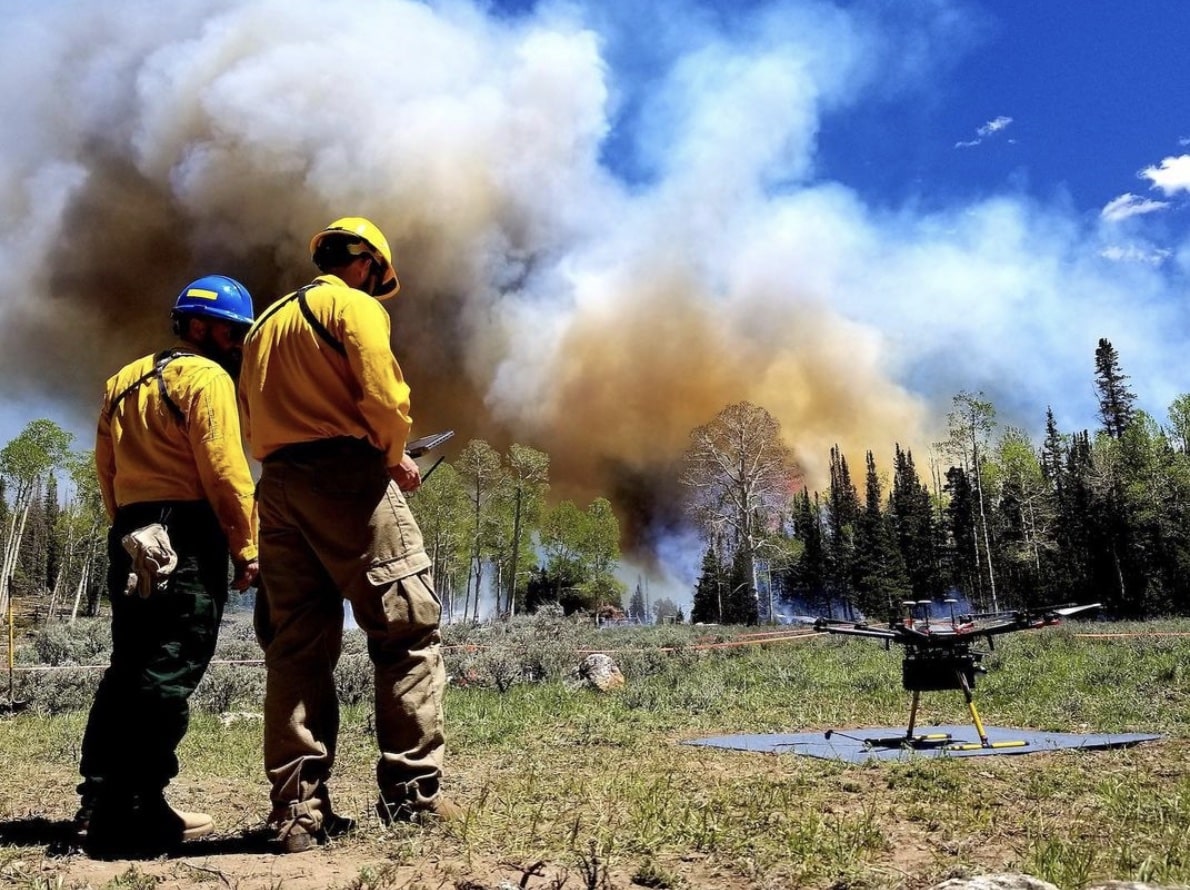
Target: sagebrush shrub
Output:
[(354, 678), (227, 687), (58, 691), (86, 641), (543, 647)]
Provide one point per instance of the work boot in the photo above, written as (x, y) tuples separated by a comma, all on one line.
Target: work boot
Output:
[(194, 825), (303, 826), (445, 810), (88, 794), (333, 825), (292, 837), (82, 819), (140, 827), (438, 809)]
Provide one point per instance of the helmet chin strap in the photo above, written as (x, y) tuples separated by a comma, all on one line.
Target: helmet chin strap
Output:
[(375, 278)]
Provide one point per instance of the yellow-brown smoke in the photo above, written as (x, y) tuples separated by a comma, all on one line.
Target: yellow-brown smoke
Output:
[(542, 301)]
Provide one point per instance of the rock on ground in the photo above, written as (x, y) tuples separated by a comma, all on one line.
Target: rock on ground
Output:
[(1028, 882), (601, 672)]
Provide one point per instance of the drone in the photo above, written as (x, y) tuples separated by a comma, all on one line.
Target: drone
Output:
[(939, 656)]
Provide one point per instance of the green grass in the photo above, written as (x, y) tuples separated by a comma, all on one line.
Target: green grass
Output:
[(600, 784)]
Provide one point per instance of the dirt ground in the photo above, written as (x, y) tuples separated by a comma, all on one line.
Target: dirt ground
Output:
[(45, 852), (242, 862), (372, 858)]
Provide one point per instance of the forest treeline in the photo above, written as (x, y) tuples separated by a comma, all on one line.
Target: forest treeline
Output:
[(998, 521), (497, 545), (990, 517)]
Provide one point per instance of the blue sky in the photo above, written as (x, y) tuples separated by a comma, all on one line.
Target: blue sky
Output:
[(1073, 101), (630, 213), (1062, 100)]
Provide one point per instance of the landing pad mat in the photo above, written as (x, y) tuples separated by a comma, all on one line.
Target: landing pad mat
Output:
[(884, 743)]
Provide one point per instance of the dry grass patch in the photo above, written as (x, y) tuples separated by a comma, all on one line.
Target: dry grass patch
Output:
[(571, 788)]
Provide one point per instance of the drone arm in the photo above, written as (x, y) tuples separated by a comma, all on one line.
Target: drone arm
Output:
[(856, 631)]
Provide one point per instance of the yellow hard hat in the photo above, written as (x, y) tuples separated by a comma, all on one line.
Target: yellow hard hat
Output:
[(372, 241)]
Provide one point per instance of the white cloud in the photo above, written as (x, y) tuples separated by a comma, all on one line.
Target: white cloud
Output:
[(1130, 205), (1172, 176), (991, 128), (994, 126), (1133, 253)]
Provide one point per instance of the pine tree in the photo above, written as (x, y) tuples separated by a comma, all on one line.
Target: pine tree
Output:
[(741, 602), (53, 548), (708, 607), (1155, 485), (962, 547), (1115, 398), (806, 579), (880, 579), (1074, 532), (913, 519), (636, 606), (31, 561), (1095, 532), (1113, 534), (1053, 451), (842, 518)]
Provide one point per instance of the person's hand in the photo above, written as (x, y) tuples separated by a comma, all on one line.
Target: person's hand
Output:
[(407, 474), (246, 574)]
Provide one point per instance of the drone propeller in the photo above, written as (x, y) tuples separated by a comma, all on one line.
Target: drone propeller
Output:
[(1067, 611), (961, 631)]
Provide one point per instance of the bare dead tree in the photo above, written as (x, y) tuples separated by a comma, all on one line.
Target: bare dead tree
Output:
[(741, 475)]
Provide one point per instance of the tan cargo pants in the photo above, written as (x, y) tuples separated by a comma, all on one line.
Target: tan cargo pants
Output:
[(333, 526)]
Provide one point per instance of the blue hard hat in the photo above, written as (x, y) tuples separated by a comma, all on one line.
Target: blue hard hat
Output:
[(216, 296)]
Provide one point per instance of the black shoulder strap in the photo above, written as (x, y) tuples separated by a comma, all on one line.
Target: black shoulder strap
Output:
[(159, 362), (319, 328)]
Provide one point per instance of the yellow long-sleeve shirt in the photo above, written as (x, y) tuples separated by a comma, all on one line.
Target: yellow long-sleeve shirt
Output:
[(295, 386), (145, 452)]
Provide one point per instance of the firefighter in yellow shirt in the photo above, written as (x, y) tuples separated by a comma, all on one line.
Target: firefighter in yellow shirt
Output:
[(326, 411), (179, 495)]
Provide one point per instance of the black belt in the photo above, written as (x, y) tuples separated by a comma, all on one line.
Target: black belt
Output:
[(340, 446)]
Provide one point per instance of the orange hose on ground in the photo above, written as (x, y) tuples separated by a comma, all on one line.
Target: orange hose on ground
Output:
[(1145, 633)]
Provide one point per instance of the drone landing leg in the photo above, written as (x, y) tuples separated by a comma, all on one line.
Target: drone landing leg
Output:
[(967, 694), (983, 736), (930, 740)]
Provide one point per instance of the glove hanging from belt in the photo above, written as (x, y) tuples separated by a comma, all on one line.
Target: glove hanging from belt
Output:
[(153, 560)]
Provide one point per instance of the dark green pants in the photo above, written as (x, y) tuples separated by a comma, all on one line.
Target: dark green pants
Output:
[(161, 647)]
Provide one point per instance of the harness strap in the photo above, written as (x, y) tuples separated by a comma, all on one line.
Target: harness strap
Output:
[(159, 364), (319, 328)]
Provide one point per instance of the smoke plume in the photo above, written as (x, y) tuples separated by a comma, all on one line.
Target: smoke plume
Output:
[(595, 307)]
